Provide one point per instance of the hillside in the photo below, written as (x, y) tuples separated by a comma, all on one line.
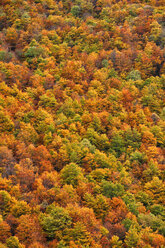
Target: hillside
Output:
[(82, 124)]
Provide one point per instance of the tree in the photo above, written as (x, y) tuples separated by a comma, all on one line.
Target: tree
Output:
[(155, 31), (55, 221), (4, 231), (132, 238), (36, 245), (13, 242), (155, 189), (100, 141), (82, 123), (11, 36), (7, 161), (2, 245), (41, 158), (152, 221), (117, 144), (5, 201), (99, 204), (20, 208), (115, 242), (28, 134), (112, 189), (6, 124), (80, 235), (87, 217), (158, 209), (67, 195), (134, 75), (75, 10), (132, 138), (71, 174), (29, 230), (35, 53)]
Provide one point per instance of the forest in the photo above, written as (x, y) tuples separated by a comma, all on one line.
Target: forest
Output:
[(82, 123)]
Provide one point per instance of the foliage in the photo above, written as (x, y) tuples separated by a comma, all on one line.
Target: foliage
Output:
[(71, 174), (55, 221), (82, 116), (13, 242), (112, 190)]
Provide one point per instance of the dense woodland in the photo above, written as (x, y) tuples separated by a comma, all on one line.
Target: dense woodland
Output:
[(82, 123)]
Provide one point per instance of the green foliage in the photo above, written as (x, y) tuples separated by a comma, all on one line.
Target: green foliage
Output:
[(132, 138), (144, 198), (76, 10), (127, 223), (13, 242), (35, 54), (47, 101), (82, 123), (158, 133), (104, 161), (71, 174), (132, 238), (55, 221), (115, 242), (67, 108), (61, 244), (151, 171), (105, 63), (20, 208), (117, 144), (134, 75), (138, 156), (44, 121), (131, 203), (158, 209), (5, 201), (98, 204), (99, 175), (5, 56), (112, 189), (80, 235), (100, 141), (150, 220), (6, 124), (34, 51)]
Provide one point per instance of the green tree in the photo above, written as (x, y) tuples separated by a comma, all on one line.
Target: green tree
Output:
[(132, 238), (115, 242), (6, 124), (134, 75), (158, 209), (71, 174), (138, 156), (112, 189), (20, 208), (101, 141), (13, 242), (80, 235), (55, 221), (47, 100), (152, 221), (76, 10), (117, 144), (132, 138), (5, 201)]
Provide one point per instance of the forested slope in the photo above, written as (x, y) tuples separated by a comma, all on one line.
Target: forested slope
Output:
[(82, 124)]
